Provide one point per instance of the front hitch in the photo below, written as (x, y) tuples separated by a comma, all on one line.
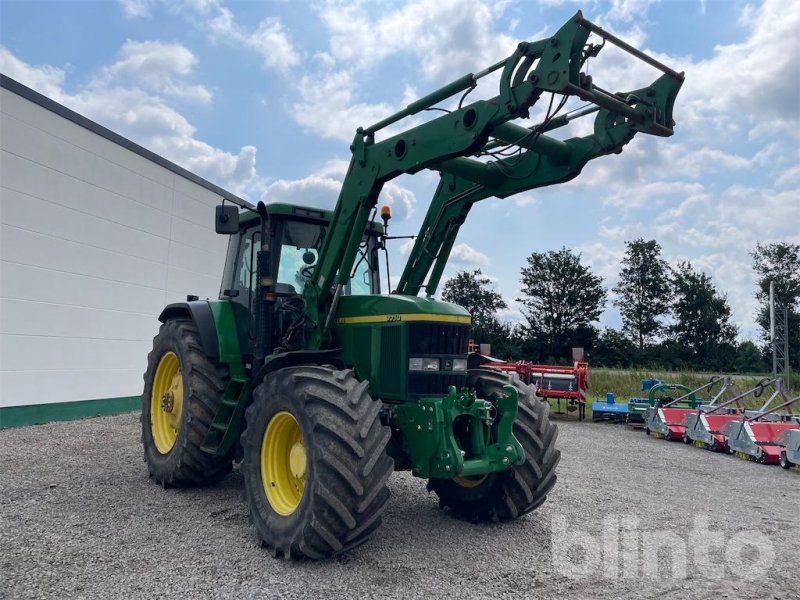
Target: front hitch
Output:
[(460, 435)]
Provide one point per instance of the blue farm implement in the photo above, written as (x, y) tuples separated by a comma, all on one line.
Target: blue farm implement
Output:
[(637, 407), (610, 410), (705, 427), (666, 416), (758, 437)]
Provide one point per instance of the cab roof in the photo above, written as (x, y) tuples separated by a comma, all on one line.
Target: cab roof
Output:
[(296, 210)]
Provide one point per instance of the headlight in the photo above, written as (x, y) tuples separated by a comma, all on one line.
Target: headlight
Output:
[(459, 364), (424, 364), (431, 364)]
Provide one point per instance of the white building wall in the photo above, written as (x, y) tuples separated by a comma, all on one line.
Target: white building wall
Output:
[(94, 241)]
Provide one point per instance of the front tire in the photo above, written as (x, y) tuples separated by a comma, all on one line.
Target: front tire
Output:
[(182, 392), (519, 490), (784, 460), (315, 465)]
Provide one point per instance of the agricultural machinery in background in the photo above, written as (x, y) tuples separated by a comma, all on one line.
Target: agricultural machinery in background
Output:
[(665, 418), (760, 437), (635, 410), (790, 442), (768, 435), (569, 384), (705, 427), (322, 386)]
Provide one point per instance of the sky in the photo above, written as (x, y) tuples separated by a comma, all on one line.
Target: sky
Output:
[(263, 99)]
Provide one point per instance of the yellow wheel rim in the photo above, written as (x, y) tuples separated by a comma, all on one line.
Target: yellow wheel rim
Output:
[(284, 463), (166, 402), (470, 481)]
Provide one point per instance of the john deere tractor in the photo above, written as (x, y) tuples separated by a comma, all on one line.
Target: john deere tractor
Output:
[(317, 383)]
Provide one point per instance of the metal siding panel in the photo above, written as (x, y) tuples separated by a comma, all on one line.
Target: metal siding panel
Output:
[(47, 387), (26, 317), (207, 262), (56, 220), (26, 282), (94, 242), (42, 354), (29, 248)]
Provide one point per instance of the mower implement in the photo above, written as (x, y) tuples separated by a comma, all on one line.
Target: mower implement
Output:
[(705, 427), (665, 419), (758, 438), (790, 455), (637, 407), (610, 410), (320, 384)]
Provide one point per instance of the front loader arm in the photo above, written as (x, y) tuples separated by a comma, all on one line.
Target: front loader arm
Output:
[(444, 144), (557, 163)]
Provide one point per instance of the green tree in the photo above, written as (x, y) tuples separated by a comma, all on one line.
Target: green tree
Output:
[(702, 325), (613, 349), (562, 299), (749, 358), (643, 291), (505, 340), (779, 262), (472, 290)]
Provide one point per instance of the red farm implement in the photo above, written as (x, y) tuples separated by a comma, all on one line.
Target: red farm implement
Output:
[(562, 383), (666, 418), (759, 437), (705, 427), (790, 455)]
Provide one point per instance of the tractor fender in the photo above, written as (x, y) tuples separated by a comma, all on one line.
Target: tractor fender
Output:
[(331, 357), (200, 313)]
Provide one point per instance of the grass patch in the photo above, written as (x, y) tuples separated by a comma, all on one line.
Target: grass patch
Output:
[(627, 383)]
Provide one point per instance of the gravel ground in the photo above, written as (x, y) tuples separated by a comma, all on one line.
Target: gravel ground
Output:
[(80, 518)]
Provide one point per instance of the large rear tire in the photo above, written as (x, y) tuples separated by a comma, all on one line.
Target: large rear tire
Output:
[(182, 392), (508, 494), (315, 465)]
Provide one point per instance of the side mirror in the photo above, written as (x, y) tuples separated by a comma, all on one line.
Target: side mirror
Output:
[(227, 219)]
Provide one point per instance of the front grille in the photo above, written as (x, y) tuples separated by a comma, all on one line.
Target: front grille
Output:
[(443, 340), (434, 384), (391, 376), (437, 338)]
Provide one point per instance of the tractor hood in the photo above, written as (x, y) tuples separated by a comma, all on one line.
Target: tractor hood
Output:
[(395, 308)]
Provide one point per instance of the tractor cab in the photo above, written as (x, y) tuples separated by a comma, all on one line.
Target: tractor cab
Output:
[(296, 237)]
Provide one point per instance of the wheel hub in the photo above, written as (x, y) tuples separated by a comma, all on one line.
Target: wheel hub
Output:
[(284, 463), (298, 460), (166, 402)]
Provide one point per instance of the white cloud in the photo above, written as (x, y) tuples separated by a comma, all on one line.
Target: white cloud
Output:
[(790, 177), (466, 255), (314, 190), (159, 67), (754, 80), (446, 39), (123, 104), (449, 37), (329, 107), (136, 8), (45, 79), (321, 189), (269, 39), (627, 197), (603, 260), (628, 10)]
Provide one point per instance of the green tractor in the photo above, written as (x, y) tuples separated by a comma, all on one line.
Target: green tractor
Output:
[(319, 385)]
